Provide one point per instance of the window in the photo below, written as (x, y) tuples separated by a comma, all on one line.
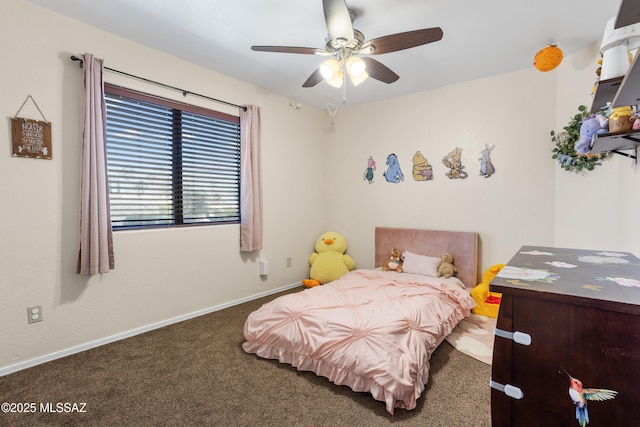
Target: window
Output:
[(170, 163)]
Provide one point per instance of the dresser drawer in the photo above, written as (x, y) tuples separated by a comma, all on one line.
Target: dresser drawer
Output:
[(562, 327)]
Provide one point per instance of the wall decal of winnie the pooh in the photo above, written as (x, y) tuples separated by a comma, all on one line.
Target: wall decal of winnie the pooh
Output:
[(393, 173), (454, 163), (422, 170)]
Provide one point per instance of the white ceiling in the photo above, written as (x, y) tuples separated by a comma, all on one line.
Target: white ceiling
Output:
[(481, 37)]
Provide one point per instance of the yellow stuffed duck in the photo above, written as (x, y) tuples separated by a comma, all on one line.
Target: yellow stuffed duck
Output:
[(487, 303), (329, 261)]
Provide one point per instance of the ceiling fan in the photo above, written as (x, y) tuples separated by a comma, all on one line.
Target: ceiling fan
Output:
[(345, 45)]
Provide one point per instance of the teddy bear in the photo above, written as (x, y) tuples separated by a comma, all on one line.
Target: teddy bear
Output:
[(422, 170), (329, 261), (446, 268), (394, 263)]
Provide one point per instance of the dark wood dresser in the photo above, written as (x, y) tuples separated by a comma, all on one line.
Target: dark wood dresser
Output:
[(566, 312)]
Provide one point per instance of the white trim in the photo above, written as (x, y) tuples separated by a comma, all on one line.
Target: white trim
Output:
[(128, 334)]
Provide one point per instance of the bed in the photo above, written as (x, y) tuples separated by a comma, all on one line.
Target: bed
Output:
[(374, 330)]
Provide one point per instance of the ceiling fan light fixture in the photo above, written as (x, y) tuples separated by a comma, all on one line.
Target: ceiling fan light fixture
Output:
[(343, 43), (337, 80), (330, 69), (356, 80), (356, 66)]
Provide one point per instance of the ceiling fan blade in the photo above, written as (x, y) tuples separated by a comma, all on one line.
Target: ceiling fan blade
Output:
[(338, 19), (406, 40), (286, 49), (313, 79), (380, 71)]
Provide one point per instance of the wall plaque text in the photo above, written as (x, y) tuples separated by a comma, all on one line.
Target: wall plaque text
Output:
[(31, 138)]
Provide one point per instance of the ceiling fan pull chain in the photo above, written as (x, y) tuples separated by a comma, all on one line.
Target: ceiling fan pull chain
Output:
[(344, 84)]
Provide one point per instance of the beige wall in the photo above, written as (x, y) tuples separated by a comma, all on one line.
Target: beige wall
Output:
[(313, 180), (597, 209), (160, 275), (512, 112)]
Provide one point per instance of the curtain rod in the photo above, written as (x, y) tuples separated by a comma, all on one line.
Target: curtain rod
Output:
[(184, 92)]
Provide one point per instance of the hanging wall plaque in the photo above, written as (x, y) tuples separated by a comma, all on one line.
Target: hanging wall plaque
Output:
[(31, 138)]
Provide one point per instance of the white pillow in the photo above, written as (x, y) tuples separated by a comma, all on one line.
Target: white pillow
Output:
[(420, 264)]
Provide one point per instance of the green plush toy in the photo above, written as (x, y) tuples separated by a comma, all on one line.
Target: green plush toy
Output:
[(329, 261)]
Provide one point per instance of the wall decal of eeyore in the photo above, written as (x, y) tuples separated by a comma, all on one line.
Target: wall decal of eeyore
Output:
[(393, 172)]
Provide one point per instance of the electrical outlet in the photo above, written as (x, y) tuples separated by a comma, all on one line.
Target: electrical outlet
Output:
[(288, 261), (34, 314)]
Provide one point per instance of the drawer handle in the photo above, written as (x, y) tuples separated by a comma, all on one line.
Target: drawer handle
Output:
[(508, 389), (519, 337)]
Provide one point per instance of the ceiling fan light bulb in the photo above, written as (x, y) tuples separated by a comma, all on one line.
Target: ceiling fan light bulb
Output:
[(329, 69), (356, 66), (326, 72)]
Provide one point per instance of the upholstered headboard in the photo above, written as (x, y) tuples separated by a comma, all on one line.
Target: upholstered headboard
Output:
[(462, 244)]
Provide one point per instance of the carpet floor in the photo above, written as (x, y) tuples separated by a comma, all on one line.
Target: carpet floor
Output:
[(196, 373)]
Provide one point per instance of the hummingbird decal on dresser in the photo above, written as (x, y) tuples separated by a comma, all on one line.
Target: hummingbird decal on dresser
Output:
[(579, 395)]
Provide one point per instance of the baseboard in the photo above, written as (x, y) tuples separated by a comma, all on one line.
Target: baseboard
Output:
[(117, 337)]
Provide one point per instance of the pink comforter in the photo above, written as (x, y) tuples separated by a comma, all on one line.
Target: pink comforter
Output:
[(371, 330)]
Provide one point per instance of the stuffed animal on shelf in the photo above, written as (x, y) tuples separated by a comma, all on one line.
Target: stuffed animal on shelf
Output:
[(487, 303), (394, 263), (329, 261), (591, 125), (446, 268)]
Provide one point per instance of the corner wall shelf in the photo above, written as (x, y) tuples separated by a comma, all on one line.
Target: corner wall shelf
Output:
[(627, 93), (616, 141), (620, 91), (606, 90)]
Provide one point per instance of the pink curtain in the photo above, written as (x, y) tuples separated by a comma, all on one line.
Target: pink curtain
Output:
[(96, 239), (250, 184)]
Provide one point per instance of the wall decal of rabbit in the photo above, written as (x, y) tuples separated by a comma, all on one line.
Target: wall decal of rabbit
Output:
[(486, 167)]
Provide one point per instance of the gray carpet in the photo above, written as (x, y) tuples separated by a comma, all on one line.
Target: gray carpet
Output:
[(196, 373)]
